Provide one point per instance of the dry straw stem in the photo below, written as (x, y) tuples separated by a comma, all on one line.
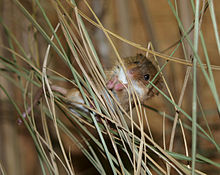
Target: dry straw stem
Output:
[(51, 105)]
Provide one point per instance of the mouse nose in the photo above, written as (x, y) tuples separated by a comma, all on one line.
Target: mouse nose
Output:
[(111, 83), (115, 84), (120, 86)]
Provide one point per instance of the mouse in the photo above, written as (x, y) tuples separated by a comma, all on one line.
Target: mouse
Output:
[(139, 69)]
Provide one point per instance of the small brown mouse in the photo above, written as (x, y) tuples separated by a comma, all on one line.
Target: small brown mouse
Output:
[(139, 69)]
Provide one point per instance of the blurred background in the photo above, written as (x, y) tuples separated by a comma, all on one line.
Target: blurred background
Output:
[(140, 21)]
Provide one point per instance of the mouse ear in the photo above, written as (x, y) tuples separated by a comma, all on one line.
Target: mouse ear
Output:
[(143, 58)]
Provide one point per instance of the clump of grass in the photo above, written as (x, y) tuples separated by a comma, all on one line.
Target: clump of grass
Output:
[(110, 138)]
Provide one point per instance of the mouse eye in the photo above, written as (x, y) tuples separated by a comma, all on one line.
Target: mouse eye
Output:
[(147, 77), (136, 62)]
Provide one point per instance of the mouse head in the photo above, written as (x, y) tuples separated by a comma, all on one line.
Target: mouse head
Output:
[(140, 71)]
